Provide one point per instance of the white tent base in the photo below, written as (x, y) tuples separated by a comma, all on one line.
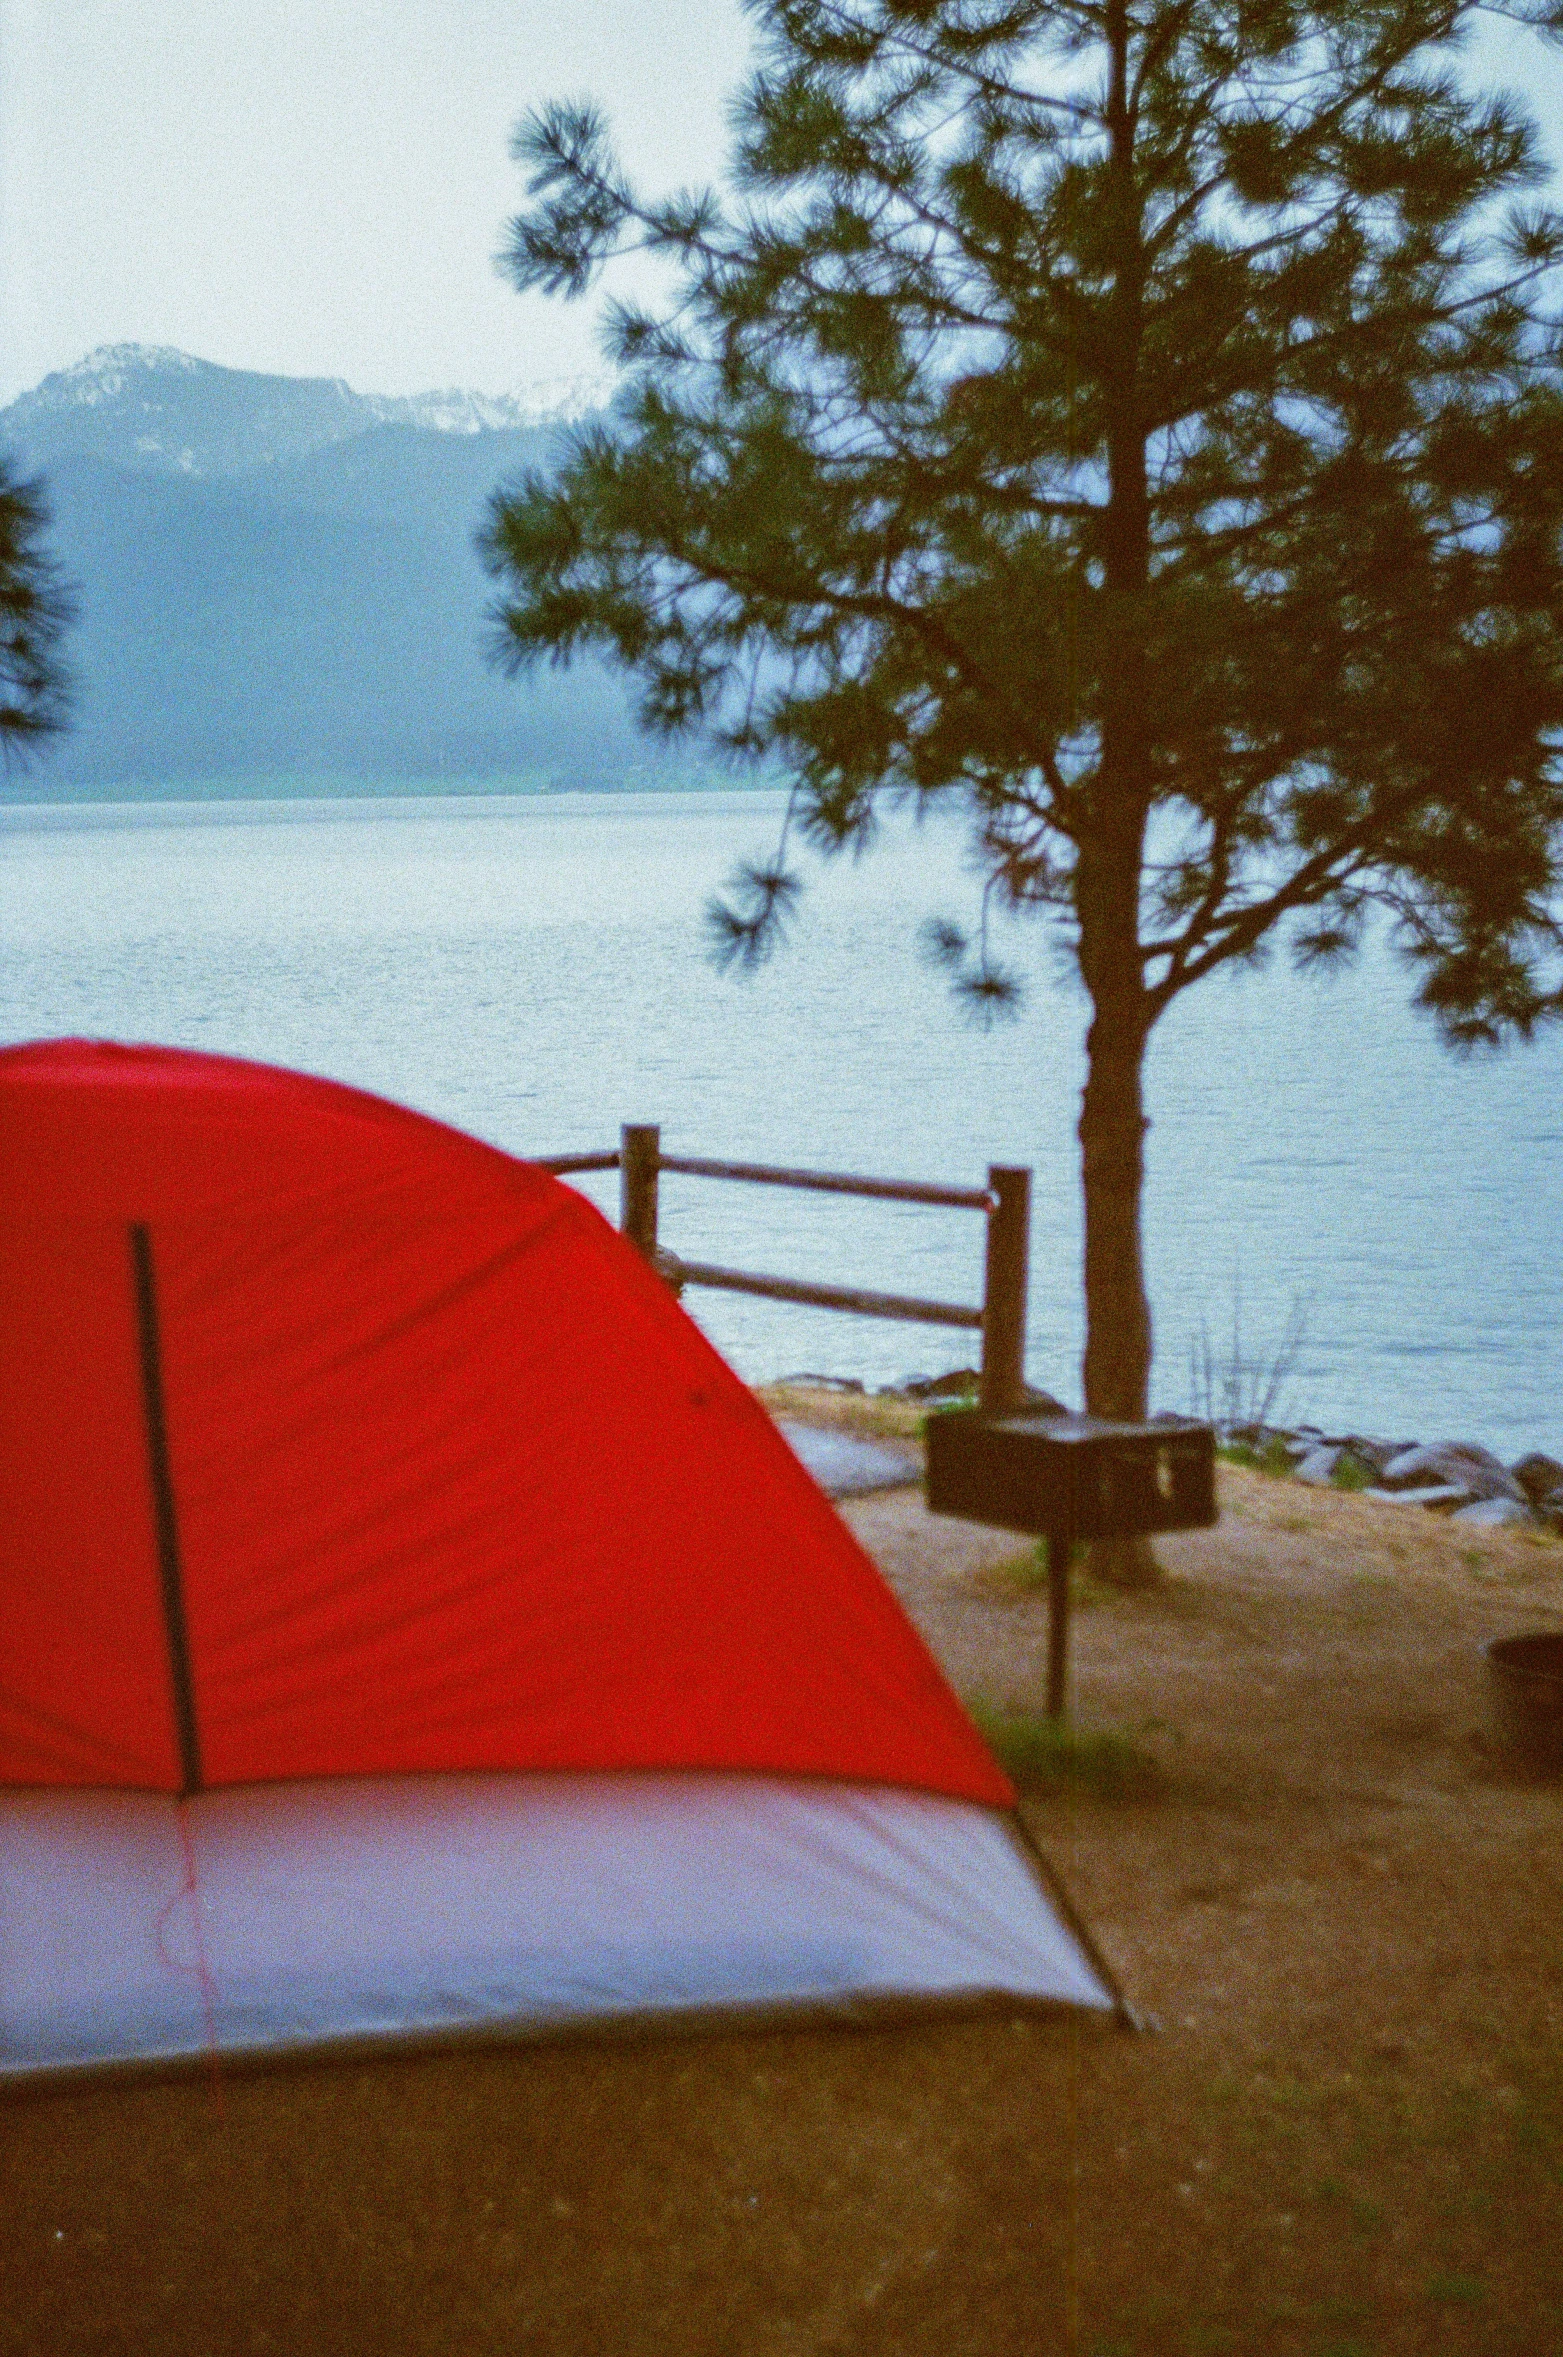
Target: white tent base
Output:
[(273, 1918)]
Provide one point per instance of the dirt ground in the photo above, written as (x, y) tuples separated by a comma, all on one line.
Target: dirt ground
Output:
[(1345, 2139)]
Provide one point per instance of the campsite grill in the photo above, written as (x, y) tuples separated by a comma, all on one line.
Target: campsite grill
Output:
[(1065, 1478)]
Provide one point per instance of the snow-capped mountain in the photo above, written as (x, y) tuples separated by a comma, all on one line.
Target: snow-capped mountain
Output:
[(278, 579), (145, 406), (558, 400)]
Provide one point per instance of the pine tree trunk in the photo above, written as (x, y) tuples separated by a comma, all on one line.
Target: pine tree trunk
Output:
[(1112, 1158), (1117, 1312), (1112, 1135)]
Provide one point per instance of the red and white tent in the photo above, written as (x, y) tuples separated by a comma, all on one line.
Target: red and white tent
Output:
[(409, 1624)]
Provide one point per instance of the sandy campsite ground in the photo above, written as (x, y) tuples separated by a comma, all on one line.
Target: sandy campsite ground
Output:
[(1319, 1873)]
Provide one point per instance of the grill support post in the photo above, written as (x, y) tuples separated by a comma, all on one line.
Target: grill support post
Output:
[(1059, 1551)]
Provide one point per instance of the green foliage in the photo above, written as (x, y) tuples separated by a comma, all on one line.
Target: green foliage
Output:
[(1087, 414), (1272, 1458), (35, 608), (1352, 1474), (1027, 1573), (1142, 428), (1060, 1757)]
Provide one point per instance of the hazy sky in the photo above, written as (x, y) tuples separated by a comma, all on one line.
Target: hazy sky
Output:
[(318, 186)]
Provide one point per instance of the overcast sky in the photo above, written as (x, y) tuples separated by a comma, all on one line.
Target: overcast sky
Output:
[(319, 186)]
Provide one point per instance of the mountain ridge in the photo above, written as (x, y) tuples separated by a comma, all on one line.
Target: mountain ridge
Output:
[(151, 406), (278, 578)]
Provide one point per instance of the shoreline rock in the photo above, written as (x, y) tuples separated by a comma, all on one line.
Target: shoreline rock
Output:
[(1459, 1478)]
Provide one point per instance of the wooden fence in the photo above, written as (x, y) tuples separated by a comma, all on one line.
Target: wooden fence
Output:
[(1005, 1202)]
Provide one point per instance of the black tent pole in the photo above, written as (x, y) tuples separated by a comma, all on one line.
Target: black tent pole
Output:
[(163, 1513)]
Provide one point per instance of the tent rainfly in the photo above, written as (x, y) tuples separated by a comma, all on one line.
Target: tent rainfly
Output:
[(409, 1625)]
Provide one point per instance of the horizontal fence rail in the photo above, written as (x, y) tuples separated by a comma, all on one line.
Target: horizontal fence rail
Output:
[(850, 1297), (566, 1165), (830, 1182), (1005, 1201)]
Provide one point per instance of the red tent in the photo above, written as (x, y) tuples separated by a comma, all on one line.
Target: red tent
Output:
[(340, 1446)]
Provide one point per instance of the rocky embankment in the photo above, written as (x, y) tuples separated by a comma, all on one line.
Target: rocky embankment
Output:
[(1454, 1477)]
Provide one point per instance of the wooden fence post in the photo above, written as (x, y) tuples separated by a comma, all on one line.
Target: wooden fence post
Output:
[(640, 1159), (1004, 1291)]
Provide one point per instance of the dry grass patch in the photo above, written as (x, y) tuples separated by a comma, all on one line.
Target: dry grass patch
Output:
[(867, 1414)]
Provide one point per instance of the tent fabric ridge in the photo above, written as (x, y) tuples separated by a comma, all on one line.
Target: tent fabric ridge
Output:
[(357, 1525), (110, 1754), (457, 1290), (164, 1514)]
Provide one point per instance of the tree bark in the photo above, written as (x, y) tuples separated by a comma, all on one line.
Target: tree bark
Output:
[(1112, 1155), (1117, 1361), (1117, 1311)]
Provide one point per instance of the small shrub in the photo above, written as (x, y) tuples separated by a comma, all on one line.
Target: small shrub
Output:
[(1235, 1387), (1058, 1757), (1351, 1474), (1274, 1458)]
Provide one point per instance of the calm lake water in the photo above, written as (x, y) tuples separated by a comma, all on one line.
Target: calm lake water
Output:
[(534, 970)]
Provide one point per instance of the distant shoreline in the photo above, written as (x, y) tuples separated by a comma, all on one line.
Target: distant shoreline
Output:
[(61, 812), (189, 793)]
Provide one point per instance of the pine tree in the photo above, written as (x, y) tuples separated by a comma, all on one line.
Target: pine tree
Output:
[(1141, 420), (35, 608)]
